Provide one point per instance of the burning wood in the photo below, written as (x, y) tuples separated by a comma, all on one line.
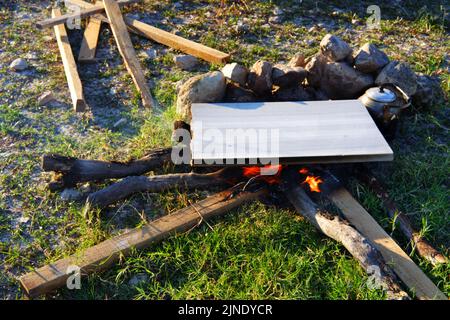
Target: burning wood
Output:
[(359, 247)]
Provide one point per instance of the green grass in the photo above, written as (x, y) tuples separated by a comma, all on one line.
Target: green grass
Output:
[(254, 252)]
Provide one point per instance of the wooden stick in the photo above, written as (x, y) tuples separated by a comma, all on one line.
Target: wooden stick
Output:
[(176, 42), (424, 248), (90, 39), (358, 246), (106, 253), (61, 19), (166, 38), (126, 49), (400, 262), (70, 67), (78, 170), (131, 185)]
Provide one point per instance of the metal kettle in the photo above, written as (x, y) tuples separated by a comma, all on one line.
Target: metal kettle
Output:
[(386, 102)]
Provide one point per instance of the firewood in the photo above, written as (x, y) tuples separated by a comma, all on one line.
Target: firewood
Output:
[(108, 252), (75, 170), (423, 247), (131, 185), (338, 229)]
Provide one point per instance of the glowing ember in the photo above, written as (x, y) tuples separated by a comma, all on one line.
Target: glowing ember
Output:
[(313, 183), (251, 172), (303, 171)]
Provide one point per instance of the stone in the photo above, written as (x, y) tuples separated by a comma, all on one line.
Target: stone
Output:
[(370, 59), (236, 93), (284, 76), (341, 81), (235, 72), (297, 93), (315, 67), (320, 95), (209, 87), (185, 62), (429, 92), (70, 195), (151, 53), (334, 48), (242, 27), (297, 60), (399, 74), (18, 65), (46, 98), (260, 78)]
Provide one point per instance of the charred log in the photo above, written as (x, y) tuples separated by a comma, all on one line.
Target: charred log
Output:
[(338, 229), (73, 170), (131, 185)]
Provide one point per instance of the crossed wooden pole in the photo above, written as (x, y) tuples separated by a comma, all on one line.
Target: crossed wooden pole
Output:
[(120, 26)]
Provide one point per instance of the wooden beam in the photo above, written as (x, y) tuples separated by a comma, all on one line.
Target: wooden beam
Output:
[(179, 43), (70, 67), (106, 253), (166, 38), (90, 39), (54, 21), (398, 260), (126, 49)]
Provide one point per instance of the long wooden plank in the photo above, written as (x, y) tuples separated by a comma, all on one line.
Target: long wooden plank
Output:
[(126, 49), (70, 67), (54, 21), (176, 42), (397, 259), (106, 253), (166, 38), (295, 132), (90, 39)]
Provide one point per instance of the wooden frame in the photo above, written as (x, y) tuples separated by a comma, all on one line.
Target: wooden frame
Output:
[(90, 39)]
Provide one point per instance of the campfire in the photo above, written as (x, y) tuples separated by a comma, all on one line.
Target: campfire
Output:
[(302, 185)]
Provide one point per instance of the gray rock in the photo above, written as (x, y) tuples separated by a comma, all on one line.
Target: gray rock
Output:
[(429, 92), (370, 59), (18, 65), (297, 60), (242, 27), (341, 81), (209, 87), (285, 76), (235, 72), (70, 195), (186, 62), (400, 74), (297, 93), (151, 53), (334, 48), (235, 93), (315, 67), (137, 279), (260, 78), (46, 98)]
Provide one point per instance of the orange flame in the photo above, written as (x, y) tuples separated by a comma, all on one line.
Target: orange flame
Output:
[(251, 172), (313, 183), (303, 171)]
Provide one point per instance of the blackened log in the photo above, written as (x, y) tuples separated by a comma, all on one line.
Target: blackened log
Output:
[(338, 229), (131, 185), (75, 170)]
